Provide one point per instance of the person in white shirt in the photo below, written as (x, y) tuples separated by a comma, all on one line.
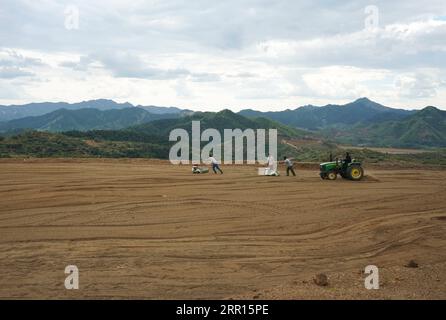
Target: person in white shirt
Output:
[(215, 165), (289, 166)]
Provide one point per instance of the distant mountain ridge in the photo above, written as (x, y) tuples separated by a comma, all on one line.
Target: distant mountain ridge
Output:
[(425, 128), (314, 118), (12, 112), (361, 123), (84, 119), (225, 119)]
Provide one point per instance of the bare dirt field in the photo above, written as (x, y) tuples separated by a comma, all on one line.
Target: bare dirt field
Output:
[(151, 230)]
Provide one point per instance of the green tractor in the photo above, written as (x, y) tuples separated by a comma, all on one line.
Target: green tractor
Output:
[(352, 171)]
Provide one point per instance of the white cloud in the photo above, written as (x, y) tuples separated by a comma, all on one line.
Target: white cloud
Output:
[(392, 46), (13, 72), (422, 84), (215, 54), (339, 81)]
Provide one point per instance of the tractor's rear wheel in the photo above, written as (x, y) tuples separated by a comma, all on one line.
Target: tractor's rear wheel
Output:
[(355, 173), (332, 175)]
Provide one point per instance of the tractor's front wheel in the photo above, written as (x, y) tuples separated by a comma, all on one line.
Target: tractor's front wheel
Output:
[(332, 175), (355, 173)]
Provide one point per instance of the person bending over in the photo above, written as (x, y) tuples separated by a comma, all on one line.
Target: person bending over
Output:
[(214, 164)]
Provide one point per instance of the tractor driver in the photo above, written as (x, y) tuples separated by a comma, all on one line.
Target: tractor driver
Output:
[(347, 159)]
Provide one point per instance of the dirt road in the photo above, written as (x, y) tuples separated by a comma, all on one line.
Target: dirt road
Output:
[(147, 229)]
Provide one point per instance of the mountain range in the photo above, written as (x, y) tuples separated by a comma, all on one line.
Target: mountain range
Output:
[(362, 123), (313, 118), (145, 140), (36, 109), (159, 130), (85, 119)]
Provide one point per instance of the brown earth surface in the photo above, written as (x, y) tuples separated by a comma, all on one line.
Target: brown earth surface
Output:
[(148, 229)]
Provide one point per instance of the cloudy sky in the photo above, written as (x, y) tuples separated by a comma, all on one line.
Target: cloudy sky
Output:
[(210, 55)]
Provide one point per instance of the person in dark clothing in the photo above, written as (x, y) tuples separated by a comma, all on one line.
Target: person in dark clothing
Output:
[(347, 159), (331, 157), (289, 166)]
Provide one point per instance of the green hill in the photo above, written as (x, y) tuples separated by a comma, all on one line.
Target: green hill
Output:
[(45, 144), (150, 139), (225, 119), (425, 128), (145, 140), (159, 130)]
